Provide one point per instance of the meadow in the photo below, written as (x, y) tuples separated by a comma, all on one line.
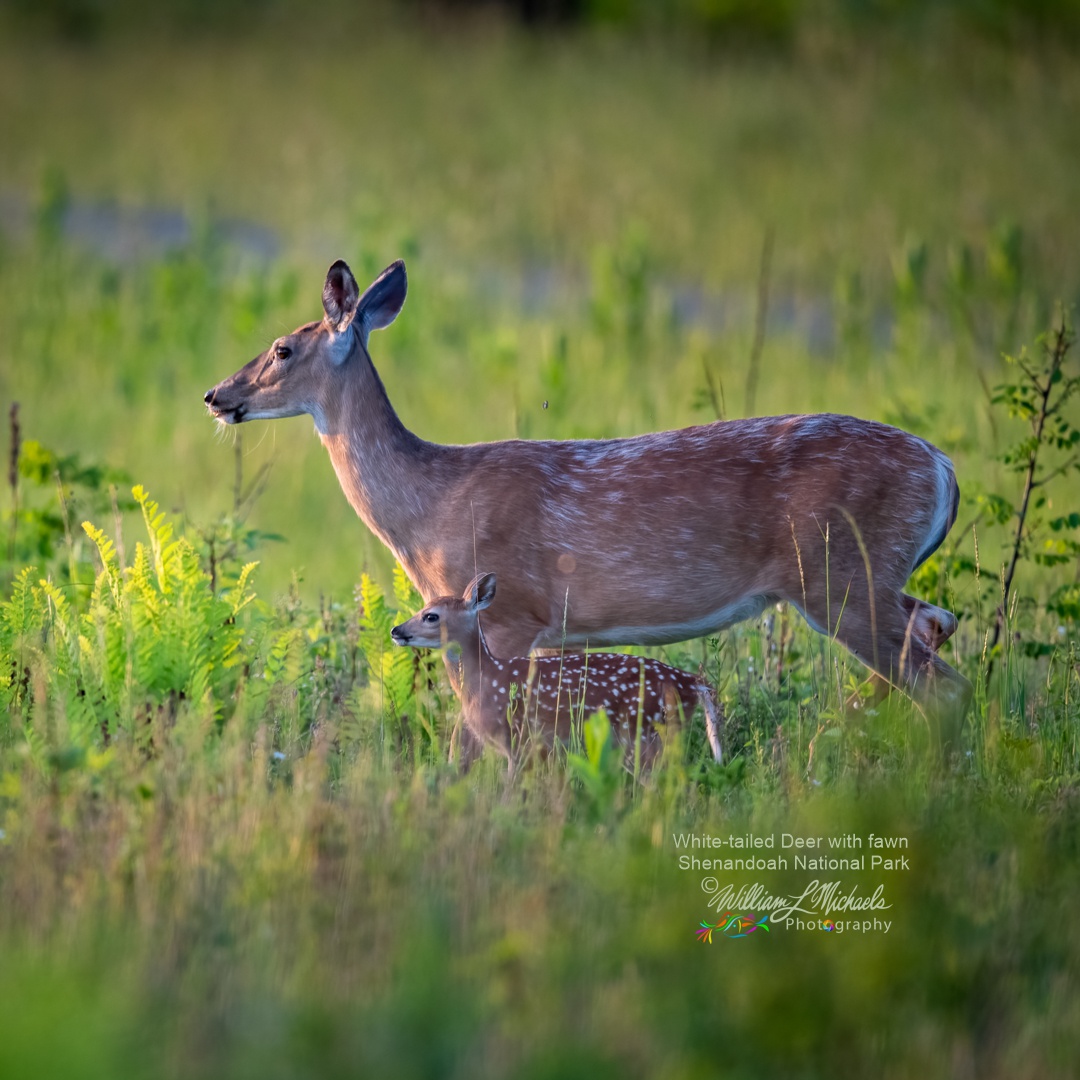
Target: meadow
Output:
[(231, 841)]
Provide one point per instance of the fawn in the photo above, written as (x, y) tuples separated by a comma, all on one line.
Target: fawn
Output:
[(503, 700)]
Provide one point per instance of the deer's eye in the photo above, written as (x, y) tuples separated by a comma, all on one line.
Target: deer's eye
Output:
[(282, 352), (430, 617)]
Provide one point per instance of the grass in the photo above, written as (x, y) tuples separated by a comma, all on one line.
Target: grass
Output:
[(199, 912), (231, 845)]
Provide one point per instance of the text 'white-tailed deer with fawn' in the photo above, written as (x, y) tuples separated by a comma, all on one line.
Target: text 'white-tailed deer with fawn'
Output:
[(644, 540)]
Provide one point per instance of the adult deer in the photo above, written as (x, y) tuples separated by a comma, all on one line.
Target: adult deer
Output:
[(644, 540), (507, 700)]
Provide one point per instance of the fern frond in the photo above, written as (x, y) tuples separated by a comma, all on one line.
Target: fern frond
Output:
[(238, 597), (282, 661), (405, 593), (110, 572), (158, 530), (37, 750), (20, 614), (390, 666)]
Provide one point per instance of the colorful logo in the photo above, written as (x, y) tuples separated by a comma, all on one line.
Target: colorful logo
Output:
[(732, 926)]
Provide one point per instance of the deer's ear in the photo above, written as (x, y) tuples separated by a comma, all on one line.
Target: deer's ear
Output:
[(383, 299), (339, 296), (480, 591)]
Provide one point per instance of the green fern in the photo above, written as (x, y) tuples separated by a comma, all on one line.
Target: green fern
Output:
[(107, 553), (405, 592), (239, 596), (391, 668), (599, 770), (154, 639), (154, 633), (158, 529), (283, 659), (21, 629)]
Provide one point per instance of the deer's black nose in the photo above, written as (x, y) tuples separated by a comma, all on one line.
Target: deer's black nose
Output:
[(208, 396)]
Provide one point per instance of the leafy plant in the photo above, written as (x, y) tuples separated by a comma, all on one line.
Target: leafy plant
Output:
[(224, 543), (153, 637), (599, 770), (400, 679), (1038, 396), (392, 669), (49, 492)]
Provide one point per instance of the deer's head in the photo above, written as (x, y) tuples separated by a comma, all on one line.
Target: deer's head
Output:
[(300, 372), (448, 620)]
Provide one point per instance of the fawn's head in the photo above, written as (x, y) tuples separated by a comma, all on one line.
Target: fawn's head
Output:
[(448, 620), (299, 372)]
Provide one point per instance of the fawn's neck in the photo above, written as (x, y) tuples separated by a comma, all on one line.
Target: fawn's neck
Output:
[(469, 663)]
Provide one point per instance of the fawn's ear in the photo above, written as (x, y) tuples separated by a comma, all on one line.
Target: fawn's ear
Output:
[(480, 591), (381, 302), (339, 296)]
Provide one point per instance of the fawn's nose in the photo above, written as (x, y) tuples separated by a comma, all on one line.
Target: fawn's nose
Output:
[(398, 635), (208, 396)]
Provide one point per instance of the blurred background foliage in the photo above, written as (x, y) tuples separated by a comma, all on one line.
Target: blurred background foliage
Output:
[(762, 23), (573, 201)]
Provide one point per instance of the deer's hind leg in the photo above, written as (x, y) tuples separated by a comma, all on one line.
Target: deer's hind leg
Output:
[(897, 637), (931, 624)]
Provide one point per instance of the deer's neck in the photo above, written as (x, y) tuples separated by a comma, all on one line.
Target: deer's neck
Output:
[(387, 473)]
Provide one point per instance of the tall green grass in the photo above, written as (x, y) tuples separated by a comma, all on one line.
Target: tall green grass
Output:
[(263, 878), (231, 843)]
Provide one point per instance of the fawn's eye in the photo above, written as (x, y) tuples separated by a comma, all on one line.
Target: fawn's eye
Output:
[(282, 352), (430, 617)]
